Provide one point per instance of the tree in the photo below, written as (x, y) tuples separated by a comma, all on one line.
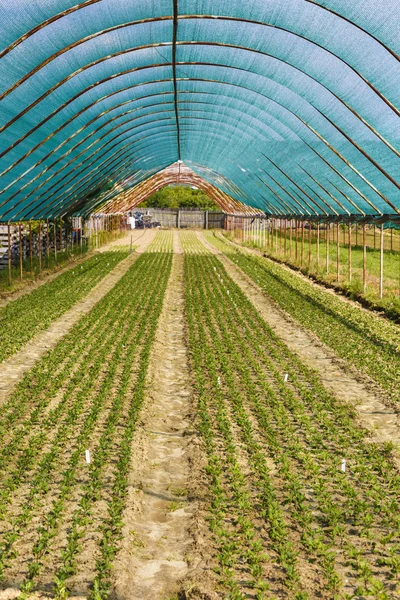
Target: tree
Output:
[(179, 196)]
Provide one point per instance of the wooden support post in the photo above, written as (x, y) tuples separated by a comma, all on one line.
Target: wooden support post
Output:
[(30, 247), (349, 254), (318, 233), (381, 263), (285, 242), (309, 244), (327, 249), (20, 251), (61, 240), (302, 244), (290, 237), (47, 243), (40, 246), (338, 252), (374, 237), (296, 241), (364, 257), (55, 241), (356, 234), (9, 256), (391, 239), (206, 219)]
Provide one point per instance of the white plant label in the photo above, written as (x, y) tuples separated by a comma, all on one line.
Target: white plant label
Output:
[(286, 377), (219, 380), (87, 455), (344, 465)]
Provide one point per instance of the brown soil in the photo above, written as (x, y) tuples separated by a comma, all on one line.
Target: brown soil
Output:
[(13, 368), (382, 421), (161, 520)]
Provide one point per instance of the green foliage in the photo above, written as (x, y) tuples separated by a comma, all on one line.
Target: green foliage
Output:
[(23, 318), (97, 373), (360, 337), (274, 447), (179, 196)]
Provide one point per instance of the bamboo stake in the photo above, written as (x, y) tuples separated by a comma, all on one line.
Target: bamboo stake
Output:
[(381, 264), (364, 257), (296, 252), (309, 244), (302, 244), (290, 238)]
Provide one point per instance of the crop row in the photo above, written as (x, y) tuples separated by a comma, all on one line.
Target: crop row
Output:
[(21, 319), (287, 520), (163, 242), (59, 411), (362, 338)]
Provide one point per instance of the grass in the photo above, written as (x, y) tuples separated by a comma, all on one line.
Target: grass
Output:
[(317, 268)]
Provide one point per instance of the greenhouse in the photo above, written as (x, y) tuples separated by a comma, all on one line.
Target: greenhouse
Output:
[(199, 299)]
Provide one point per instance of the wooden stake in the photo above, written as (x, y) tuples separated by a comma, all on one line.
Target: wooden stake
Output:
[(290, 237), (302, 244), (349, 254), (318, 247), (338, 253), (9, 256), (296, 253), (47, 243), (285, 240), (20, 251), (364, 257), (381, 264), (40, 248), (309, 244), (55, 241), (30, 247), (327, 249)]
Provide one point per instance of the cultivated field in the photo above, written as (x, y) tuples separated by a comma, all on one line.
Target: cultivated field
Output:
[(172, 443)]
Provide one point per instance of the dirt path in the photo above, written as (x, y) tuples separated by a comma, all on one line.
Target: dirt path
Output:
[(155, 556), (177, 243), (379, 419), (14, 368)]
